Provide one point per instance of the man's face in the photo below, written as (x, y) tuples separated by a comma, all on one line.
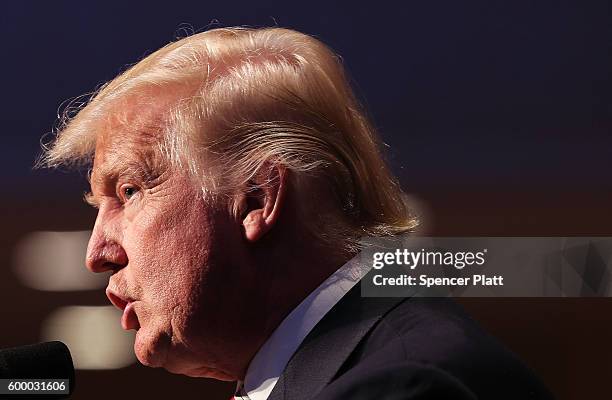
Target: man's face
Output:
[(164, 244)]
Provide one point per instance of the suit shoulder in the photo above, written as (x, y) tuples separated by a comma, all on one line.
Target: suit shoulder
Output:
[(437, 332)]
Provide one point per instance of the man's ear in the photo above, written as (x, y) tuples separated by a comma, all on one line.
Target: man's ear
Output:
[(262, 205)]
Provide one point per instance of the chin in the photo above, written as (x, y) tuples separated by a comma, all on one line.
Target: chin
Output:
[(151, 350)]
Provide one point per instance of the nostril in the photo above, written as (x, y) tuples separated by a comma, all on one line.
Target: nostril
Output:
[(101, 265), (109, 266), (105, 256)]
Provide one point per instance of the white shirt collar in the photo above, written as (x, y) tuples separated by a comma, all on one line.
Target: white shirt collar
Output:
[(272, 358)]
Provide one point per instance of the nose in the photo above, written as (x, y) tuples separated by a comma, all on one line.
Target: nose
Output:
[(104, 252)]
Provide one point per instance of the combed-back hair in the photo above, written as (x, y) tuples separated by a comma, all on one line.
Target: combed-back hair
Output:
[(245, 99)]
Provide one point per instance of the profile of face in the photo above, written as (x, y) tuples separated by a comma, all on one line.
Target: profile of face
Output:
[(180, 269)]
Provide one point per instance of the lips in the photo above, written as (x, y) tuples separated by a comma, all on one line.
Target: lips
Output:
[(129, 319)]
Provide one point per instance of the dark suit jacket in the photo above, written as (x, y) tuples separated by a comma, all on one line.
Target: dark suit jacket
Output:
[(403, 348)]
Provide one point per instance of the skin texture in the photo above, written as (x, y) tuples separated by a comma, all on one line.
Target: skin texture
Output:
[(207, 288)]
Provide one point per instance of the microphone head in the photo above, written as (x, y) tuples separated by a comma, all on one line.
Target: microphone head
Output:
[(49, 360)]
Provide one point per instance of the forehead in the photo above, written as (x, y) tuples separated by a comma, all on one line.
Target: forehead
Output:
[(124, 148), (129, 135)]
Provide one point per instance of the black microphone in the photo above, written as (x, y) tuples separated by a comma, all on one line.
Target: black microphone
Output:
[(49, 360)]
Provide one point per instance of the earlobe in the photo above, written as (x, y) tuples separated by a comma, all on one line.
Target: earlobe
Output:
[(254, 225), (262, 207)]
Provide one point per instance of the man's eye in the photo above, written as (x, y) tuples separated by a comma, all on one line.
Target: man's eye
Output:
[(127, 192)]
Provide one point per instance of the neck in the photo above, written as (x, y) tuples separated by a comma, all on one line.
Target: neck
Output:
[(290, 270)]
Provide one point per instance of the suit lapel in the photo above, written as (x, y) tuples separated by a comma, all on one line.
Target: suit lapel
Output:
[(329, 344)]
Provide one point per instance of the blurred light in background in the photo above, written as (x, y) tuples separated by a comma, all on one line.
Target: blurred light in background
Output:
[(93, 335), (55, 261)]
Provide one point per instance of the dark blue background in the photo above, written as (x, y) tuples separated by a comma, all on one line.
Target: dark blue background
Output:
[(465, 93), (498, 117)]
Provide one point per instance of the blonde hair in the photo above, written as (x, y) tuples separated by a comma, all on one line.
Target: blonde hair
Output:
[(247, 97)]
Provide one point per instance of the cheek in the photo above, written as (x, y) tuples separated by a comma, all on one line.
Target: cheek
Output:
[(169, 251)]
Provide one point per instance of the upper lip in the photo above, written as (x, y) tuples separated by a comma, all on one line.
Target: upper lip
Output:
[(120, 301)]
